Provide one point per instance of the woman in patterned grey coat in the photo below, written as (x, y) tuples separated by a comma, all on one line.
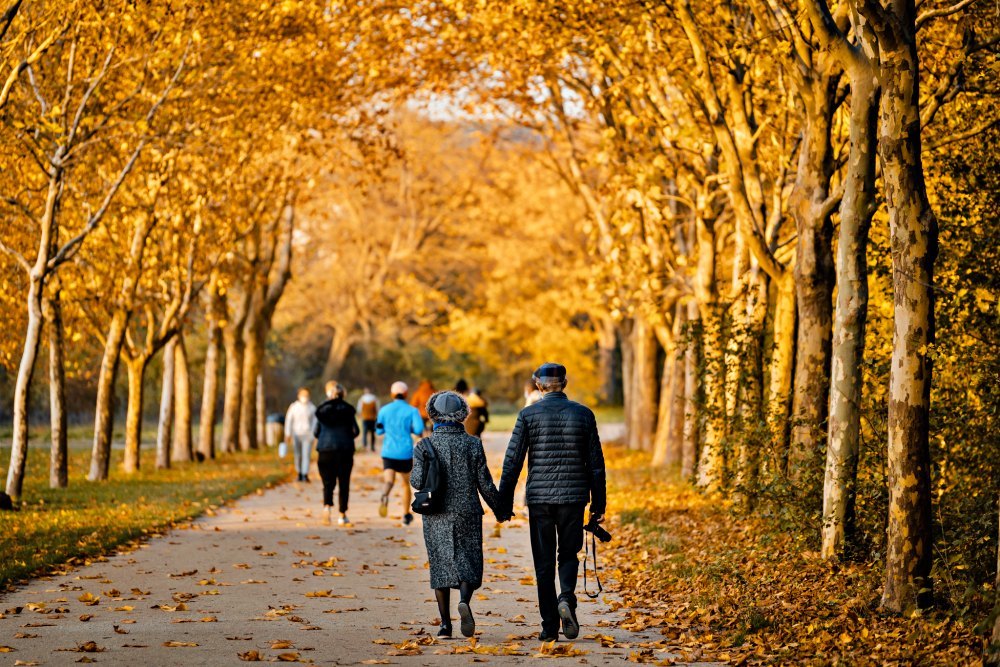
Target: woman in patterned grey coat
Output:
[(454, 536)]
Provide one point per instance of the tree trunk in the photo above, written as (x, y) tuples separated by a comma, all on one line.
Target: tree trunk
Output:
[(661, 439), (779, 397), (58, 455), (913, 242), (253, 353), (993, 654), (667, 442), (848, 349), (210, 385), (232, 399), (712, 462), (104, 412), (628, 373), (182, 449), (608, 361), (645, 386), (29, 355), (813, 291), (689, 449), (261, 411), (136, 367), (165, 423), (750, 404), (340, 347)]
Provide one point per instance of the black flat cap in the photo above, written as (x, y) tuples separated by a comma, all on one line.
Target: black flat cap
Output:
[(551, 371)]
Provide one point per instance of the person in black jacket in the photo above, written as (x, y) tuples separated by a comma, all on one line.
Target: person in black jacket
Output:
[(335, 431), (565, 471)]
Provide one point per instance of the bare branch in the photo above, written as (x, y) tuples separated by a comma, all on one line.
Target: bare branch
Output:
[(78, 117), (9, 16), (21, 260), (72, 246), (962, 136), (931, 14)]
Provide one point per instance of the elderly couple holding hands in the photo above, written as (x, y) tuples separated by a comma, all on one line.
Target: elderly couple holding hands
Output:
[(565, 471)]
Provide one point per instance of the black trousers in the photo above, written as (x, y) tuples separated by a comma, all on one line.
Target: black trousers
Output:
[(368, 430), (336, 467), (556, 541)]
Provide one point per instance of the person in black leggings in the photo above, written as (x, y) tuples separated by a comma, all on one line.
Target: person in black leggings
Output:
[(336, 430)]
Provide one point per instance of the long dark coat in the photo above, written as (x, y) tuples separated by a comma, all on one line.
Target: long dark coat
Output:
[(454, 537)]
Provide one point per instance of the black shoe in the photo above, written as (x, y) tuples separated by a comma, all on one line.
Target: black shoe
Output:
[(545, 636), (305, 478), (570, 626), (407, 518), (445, 631), (468, 622)]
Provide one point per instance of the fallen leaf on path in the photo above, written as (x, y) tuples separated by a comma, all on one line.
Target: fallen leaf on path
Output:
[(184, 574), (167, 607), (249, 656), (319, 594), (89, 599), (7, 649), (176, 644), (281, 644), (85, 647), (25, 663), (377, 662), (85, 659), (288, 657), (553, 650), (119, 630), (125, 607), (139, 591)]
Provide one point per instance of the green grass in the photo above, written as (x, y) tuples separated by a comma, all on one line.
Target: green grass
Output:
[(57, 526), (504, 421)]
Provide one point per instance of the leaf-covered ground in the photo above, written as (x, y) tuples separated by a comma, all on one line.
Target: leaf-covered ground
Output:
[(57, 526), (719, 586)]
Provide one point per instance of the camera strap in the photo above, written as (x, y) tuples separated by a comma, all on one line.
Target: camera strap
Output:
[(590, 552)]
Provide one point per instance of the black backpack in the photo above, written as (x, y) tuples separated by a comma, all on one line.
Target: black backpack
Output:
[(430, 497)]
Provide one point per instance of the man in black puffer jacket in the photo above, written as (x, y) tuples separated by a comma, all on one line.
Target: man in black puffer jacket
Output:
[(336, 429), (565, 471)]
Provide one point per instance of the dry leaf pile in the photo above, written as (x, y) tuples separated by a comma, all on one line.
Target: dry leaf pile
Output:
[(729, 588)]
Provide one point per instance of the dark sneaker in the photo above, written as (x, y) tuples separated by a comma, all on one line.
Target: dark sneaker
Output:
[(407, 518), (383, 506), (468, 623), (570, 626), (444, 632), (545, 636)]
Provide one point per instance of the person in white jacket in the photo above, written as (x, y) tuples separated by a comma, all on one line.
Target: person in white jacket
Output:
[(300, 420)]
